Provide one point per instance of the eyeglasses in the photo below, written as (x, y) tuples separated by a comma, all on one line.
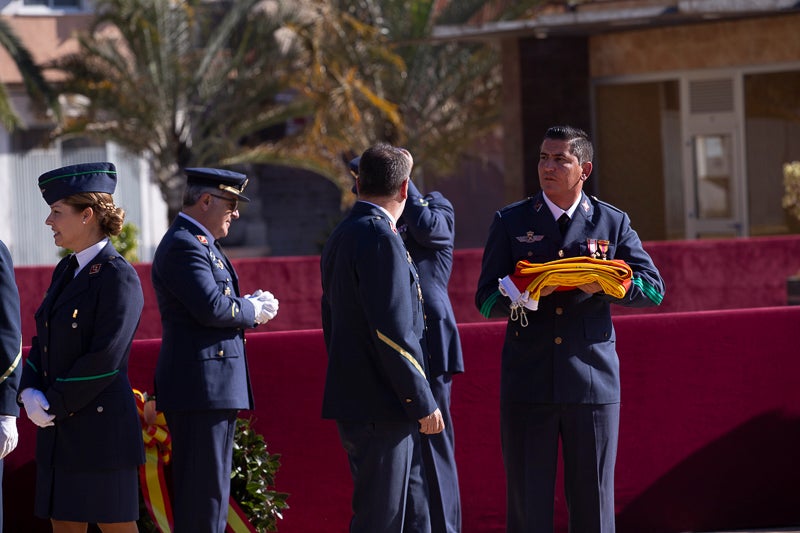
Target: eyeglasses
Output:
[(233, 204)]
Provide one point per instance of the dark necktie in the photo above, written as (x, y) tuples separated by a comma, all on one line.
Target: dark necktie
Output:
[(67, 276), (563, 223)]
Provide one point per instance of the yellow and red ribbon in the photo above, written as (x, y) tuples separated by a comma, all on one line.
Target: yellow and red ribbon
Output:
[(158, 450)]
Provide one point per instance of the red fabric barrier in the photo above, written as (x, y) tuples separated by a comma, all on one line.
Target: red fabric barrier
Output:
[(709, 432), (700, 275)]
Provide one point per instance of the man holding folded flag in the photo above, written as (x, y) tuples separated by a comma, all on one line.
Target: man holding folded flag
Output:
[(553, 265)]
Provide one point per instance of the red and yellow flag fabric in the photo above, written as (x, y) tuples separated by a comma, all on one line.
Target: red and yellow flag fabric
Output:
[(524, 286), (158, 450)]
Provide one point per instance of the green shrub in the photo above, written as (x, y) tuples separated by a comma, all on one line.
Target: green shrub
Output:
[(254, 470), (253, 474)]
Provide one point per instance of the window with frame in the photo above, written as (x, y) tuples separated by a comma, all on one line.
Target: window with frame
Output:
[(55, 4)]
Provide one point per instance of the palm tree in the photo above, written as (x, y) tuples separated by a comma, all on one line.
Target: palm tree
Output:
[(181, 82), (195, 83), (373, 73), (32, 77), (339, 85)]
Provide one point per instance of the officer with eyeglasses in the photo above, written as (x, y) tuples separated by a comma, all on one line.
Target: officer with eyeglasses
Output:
[(201, 375)]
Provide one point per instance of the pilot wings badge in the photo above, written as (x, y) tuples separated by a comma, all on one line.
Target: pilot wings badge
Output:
[(530, 237)]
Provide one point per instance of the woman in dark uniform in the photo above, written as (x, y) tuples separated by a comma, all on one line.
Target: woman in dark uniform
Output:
[(74, 383)]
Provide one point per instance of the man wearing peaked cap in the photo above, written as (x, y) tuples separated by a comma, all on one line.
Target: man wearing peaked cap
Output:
[(84, 177), (74, 384), (353, 166), (225, 180), (202, 380)]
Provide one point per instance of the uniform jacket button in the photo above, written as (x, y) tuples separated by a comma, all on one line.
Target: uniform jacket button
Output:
[(221, 353), (559, 310), (99, 408), (408, 400), (558, 340)]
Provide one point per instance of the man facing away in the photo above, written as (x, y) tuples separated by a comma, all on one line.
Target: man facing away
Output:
[(376, 384), (427, 227)]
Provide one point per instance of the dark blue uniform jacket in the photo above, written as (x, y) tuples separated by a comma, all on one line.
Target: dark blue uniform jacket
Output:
[(10, 336), (79, 359), (372, 321), (202, 362), (567, 352), (428, 228)]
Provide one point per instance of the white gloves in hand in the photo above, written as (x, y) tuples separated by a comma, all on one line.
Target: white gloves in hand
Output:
[(266, 305), (8, 434), (36, 405)]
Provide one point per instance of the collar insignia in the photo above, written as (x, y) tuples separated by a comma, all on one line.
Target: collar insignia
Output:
[(94, 269), (202, 239)]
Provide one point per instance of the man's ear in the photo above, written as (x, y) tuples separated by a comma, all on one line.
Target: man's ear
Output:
[(404, 189), (587, 169)]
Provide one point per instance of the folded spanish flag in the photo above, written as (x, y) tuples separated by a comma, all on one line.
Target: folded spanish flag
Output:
[(526, 283)]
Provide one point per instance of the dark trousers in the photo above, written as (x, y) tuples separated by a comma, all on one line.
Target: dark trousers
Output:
[(438, 454), (202, 456), (530, 435), (389, 492), (1, 495)]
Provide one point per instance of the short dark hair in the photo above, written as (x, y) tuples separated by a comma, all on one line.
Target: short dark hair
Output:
[(382, 170), (579, 144)]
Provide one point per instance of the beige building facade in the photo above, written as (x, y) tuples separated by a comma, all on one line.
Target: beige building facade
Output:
[(694, 107)]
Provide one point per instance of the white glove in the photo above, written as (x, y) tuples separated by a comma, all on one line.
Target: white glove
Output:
[(269, 306), (518, 298), (36, 406), (8, 434), (258, 306)]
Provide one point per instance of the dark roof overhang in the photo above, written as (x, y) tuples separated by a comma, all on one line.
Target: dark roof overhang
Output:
[(592, 17)]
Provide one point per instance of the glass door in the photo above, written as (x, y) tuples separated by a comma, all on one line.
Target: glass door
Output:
[(715, 196)]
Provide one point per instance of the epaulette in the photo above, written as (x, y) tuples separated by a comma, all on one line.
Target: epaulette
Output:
[(94, 268), (516, 204), (606, 204)]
